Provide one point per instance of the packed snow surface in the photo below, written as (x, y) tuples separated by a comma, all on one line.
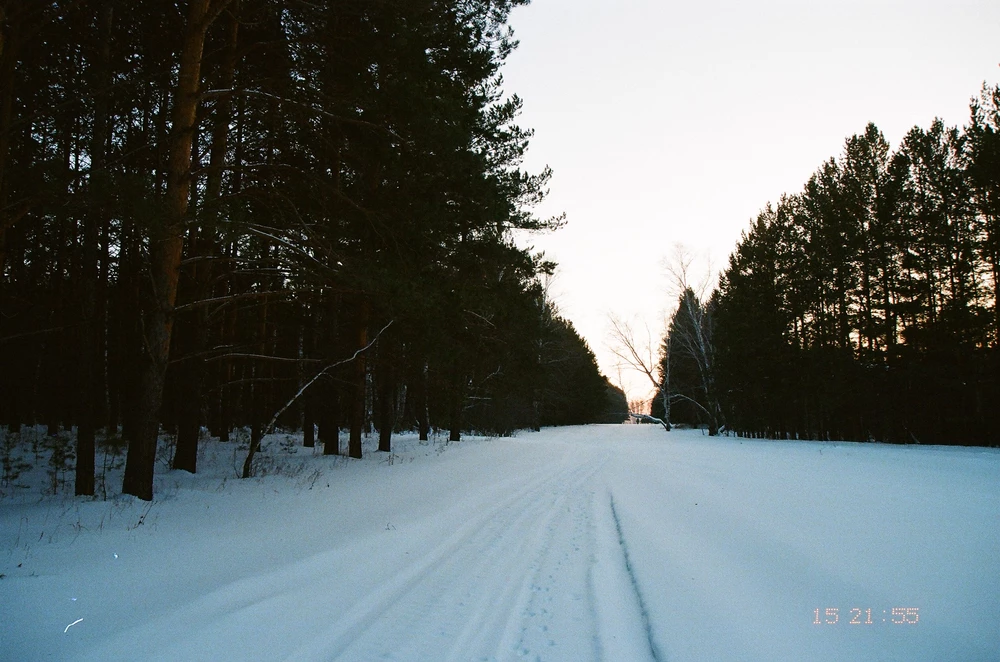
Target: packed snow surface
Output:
[(618, 543)]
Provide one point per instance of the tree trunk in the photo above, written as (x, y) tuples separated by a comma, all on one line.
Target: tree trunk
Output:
[(191, 341), (358, 388), (166, 244), (423, 421), (88, 385), (257, 400), (329, 420), (386, 382), (308, 409), (53, 387), (330, 398), (128, 355), (665, 385), (203, 242), (308, 425), (227, 338), (189, 396), (457, 401)]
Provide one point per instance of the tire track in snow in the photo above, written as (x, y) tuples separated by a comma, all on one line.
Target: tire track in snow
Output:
[(514, 580), (483, 577), (557, 602), (474, 572), (625, 631), (654, 651)]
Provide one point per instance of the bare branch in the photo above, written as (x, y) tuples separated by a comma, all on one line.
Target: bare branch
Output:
[(625, 347), (231, 298), (680, 396), (211, 94), (270, 426), (475, 314), (287, 244), (261, 357), (689, 332)]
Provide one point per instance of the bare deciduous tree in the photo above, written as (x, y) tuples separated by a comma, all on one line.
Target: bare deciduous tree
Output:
[(636, 355), (690, 333)]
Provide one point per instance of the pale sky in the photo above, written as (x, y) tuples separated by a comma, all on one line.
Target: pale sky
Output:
[(671, 122)]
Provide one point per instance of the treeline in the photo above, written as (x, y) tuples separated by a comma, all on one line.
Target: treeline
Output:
[(209, 208), (865, 306)]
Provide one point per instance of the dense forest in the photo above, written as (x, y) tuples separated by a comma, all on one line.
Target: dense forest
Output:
[(863, 307), (257, 213)]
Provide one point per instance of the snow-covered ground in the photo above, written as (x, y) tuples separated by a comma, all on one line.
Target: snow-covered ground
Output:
[(620, 543)]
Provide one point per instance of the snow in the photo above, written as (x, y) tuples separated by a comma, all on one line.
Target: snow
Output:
[(601, 542)]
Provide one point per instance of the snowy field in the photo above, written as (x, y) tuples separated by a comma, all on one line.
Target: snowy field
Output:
[(618, 543)]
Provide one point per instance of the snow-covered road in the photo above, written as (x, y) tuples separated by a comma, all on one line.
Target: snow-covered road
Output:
[(614, 543)]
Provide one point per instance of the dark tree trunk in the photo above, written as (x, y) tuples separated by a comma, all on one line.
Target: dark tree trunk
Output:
[(204, 250), (257, 399), (227, 339), (166, 244), (423, 421), (192, 334), (308, 425), (53, 386), (309, 397), (203, 243), (329, 420), (358, 387), (188, 418), (385, 427), (88, 386), (457, 403), (102, 416), (190, 342), (385, 397), (128, 355), (329, 396)]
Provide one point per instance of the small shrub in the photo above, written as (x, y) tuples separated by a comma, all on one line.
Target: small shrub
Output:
[(167, 444), (61, 458), (288, 444), (113, 447), (241, 436), (13, 463)]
